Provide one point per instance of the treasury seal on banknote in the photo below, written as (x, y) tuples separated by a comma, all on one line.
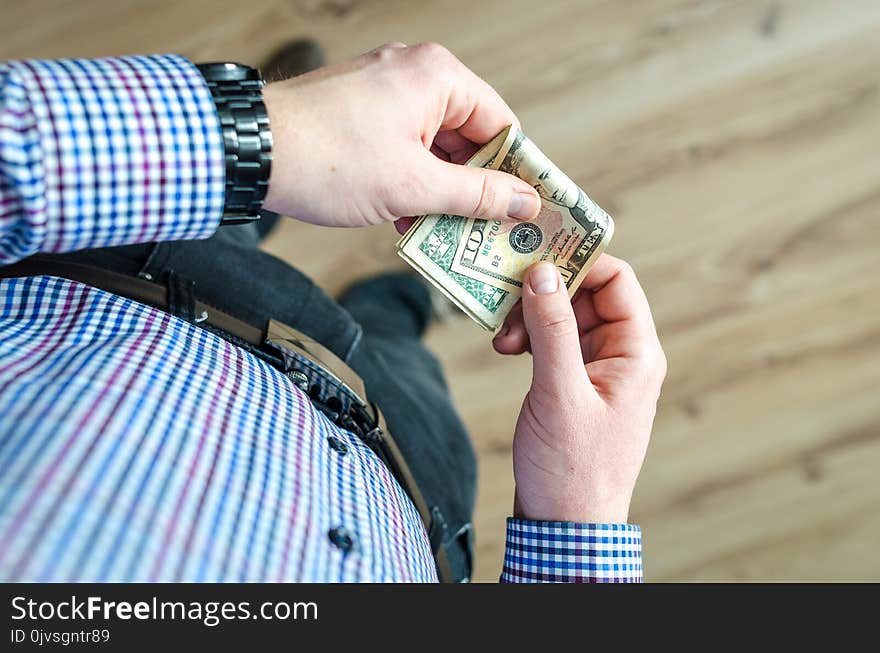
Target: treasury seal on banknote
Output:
[(525, 238)]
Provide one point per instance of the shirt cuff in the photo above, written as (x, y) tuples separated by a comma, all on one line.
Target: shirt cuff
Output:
[(130, 150), (568, 552)]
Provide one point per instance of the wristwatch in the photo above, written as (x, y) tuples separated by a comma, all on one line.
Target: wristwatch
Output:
[(247, 140)]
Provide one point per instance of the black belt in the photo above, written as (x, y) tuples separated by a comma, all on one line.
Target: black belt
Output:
[(334, 388)]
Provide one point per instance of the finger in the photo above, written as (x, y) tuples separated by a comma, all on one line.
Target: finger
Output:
[(451, 141), (439, 152), (473, 107), (628, 333), (475, 192), (403, 224), (584, 310), (512, 337), (462, 156), (605, 341), (476, 110), (617, 294), (619, 360), (456, 146), (557, 362), (394, 45)]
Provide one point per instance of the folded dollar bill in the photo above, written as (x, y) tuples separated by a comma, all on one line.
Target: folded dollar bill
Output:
[(480, 264)]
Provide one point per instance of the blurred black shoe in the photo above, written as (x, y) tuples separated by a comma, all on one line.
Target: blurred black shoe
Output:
[(391, 305), (294, 58)]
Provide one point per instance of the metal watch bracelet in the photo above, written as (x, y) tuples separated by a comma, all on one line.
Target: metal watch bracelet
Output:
[(247, 140)]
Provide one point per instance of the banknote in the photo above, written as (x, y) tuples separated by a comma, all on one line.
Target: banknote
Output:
[(479, 264)]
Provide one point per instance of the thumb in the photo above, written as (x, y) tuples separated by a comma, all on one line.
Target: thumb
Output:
[(477, 192), (557, 361)]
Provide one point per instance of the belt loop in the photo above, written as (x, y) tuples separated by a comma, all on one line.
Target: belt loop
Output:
[(437, 531), (181, 296), (359, 333), (152, 267)]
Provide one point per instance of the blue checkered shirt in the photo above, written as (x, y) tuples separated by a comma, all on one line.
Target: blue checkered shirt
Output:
[(135, 446)]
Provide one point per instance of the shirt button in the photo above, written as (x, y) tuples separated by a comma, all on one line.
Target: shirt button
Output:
[(341, 538), (337, 445)]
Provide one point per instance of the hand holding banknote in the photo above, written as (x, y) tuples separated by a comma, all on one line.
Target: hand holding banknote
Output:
[(584, 426), (380, 137)]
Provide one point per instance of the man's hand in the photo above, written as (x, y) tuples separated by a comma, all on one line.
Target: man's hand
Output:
[(381, 137), (585, 423)]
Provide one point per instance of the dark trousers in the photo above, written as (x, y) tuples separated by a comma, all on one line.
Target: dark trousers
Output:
[(375, 328)]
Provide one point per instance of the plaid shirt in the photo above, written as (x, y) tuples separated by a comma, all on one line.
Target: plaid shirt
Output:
[(135, 446)]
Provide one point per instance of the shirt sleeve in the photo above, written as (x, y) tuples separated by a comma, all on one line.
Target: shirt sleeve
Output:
[(566, 552), (102, 152)]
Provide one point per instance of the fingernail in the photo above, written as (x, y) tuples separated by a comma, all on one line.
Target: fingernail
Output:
[(522, 206), (503, 331), (544, 279)]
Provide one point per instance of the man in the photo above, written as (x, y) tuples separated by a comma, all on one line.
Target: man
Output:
[(165, 411)]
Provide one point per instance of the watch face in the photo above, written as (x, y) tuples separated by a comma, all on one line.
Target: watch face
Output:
[(228, 72)]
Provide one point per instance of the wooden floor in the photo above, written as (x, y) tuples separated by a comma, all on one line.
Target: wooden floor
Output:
[(737, 145)]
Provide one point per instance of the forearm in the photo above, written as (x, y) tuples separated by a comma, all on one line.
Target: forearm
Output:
[(104, 152)]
